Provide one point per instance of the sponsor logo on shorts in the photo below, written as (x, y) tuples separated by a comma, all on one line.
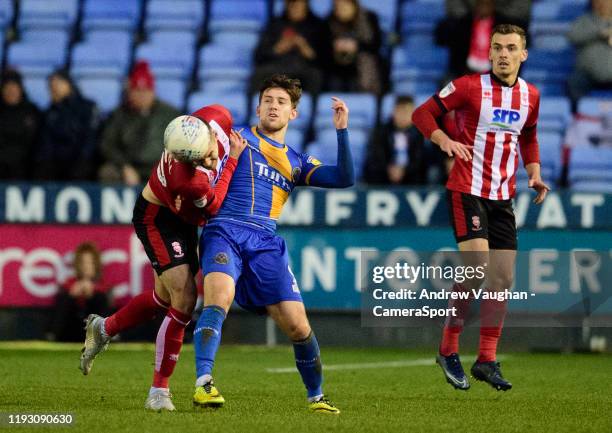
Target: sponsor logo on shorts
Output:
[(178, 250), (476, 223), (222, 259)]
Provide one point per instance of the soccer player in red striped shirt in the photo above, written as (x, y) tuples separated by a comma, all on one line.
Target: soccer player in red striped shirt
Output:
[(496, 116)]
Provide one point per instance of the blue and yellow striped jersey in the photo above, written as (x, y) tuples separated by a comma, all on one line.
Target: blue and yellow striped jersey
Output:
[(266, 174)]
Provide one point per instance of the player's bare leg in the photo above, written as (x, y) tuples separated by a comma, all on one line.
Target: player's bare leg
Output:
[(219, 290), (474, 252), (180, 284), (290, 316), (492, 312)]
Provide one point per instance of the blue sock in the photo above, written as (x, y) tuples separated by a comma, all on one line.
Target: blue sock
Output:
[(308, 362), (207, 337)]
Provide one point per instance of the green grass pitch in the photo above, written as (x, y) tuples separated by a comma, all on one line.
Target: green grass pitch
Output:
[(377, 390)]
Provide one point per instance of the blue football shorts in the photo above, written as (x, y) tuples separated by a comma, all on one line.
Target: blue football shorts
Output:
[(256, 259)]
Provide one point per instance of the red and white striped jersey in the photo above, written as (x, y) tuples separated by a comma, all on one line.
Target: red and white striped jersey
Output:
[(495, 119)]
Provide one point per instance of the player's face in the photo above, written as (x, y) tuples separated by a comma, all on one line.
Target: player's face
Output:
[(275, 109), (506, 54)]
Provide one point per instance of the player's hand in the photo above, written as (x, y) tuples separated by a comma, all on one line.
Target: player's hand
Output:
[(237, 144), (454, 148), (540, 187), (341, 113)]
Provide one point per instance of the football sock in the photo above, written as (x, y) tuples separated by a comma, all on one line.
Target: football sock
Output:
[(454, 325), (308, 362), (140, 309), (168, 346), (207, 337), (492, 313)]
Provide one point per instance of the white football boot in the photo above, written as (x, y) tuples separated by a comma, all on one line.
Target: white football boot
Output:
[(160, 400), (95, 342)]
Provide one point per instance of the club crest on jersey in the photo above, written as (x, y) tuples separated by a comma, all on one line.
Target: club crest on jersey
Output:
[(476, 223), (295, 174), (447, 90), (505, 118), (178, 250)]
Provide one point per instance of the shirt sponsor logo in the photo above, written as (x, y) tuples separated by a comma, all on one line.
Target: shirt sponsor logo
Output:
[(505, 118), (273, 176)]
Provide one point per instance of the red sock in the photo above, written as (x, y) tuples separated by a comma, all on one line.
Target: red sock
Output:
[(168, 346), (454, 325), (140, 309), (492, 315)]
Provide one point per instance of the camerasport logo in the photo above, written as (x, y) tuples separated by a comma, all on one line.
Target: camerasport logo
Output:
[(36, 259)]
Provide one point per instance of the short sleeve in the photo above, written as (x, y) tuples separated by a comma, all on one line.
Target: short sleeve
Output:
[(455, 94), (309, 165)]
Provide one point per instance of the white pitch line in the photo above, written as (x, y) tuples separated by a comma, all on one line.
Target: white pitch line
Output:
[(368, 365), (363, 365)]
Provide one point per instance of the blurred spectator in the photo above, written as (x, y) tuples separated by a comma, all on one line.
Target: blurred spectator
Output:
[(396, 153), (516, 12), (68, 141), (296, 43), (19, 125), (80, 296), (468, 36), (133, 139), (356, 40), (592, 36)]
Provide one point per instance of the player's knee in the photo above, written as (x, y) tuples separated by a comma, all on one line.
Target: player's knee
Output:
[(501, 281), (299, 331)]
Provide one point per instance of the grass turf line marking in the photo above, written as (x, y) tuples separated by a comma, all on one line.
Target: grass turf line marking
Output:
[(368, 365)]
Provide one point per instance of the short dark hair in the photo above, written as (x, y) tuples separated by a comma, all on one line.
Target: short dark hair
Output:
[(404, 99), (293, 86), (508, 29)]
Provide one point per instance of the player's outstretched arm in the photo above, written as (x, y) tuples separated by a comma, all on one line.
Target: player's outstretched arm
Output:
[(341, 175)]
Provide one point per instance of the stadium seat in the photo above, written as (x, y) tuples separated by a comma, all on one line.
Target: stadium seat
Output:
[(550, 160), (186, 15), (325, 148), (295, 139), (590, 164), (35, 59), (420, 17), (242, 41), (41, 14), (6, 13), (553, 17), (37, 89), (302, 122), (218, 63), (237, 15), (386, 10), (551, 43), (555, 113), (173, 37), (413, 86), (219, 84), (46, 37), (592, 186), (168, 59), (362, 107), (171, 91), (102, 57), (595, 106), (111, 14), (110, 37), (235, 102), (105, 92), (429, 63)]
